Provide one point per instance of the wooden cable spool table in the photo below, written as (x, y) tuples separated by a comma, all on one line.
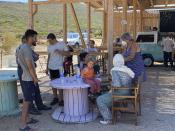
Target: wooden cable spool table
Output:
[(76, 105)]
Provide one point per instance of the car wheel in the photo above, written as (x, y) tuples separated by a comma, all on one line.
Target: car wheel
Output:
[(148, 61), (77, 44)]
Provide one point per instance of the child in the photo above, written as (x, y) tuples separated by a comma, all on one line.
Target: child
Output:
[(88, 76)]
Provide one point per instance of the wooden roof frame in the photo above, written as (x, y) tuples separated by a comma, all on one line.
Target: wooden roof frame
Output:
[(108, 14)]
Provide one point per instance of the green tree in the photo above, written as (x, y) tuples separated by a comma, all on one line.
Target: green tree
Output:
[(9, 40)]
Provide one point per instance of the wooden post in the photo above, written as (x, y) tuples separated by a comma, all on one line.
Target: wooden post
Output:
[(135, 19), (77, 24), (105, 4), (65, 23), (30, 14), (110, 14), (141, 18), (1, 58), (124, 15), (89, 22)]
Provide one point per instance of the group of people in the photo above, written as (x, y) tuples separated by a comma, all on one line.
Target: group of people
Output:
[(128, 67), (26, 58)]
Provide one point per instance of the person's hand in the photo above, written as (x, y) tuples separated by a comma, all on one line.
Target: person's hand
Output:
[(59, 52), (47, 72), (35, 81), (37, 55)]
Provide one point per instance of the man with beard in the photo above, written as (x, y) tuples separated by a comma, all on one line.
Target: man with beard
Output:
[(32, 109), (29, 85)]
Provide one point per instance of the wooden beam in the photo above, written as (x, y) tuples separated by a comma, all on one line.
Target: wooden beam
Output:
[(35, 9), (77, 25), (104, 33), (105, 23), (151, 3), (96, 4), (110, 33), (150, 17), (159, 8), (63, 1), (65, 23), (105, 5), (163, 2), (135, 18), (141, 18), (124, 16), (30, 15), (166, 2), (89, 21)]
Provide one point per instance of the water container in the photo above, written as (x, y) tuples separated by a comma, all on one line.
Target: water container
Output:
[(62, 78), (78, 71)]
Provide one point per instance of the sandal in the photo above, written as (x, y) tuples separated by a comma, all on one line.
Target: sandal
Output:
[(32, 121), (27, 128)]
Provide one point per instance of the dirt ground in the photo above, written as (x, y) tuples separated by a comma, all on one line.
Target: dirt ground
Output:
[(158, 109)]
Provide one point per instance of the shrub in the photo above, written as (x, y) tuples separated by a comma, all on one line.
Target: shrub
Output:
[(9, 40)]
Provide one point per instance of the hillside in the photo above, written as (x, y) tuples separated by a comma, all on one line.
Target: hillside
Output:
[(13, 18)]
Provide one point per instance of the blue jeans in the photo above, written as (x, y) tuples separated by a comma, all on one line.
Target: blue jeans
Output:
[(104, 103)]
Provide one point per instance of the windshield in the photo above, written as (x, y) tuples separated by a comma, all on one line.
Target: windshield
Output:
[(145, 38), (72, 35)]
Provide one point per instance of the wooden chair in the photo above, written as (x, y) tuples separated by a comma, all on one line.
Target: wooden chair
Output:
[(120, 102)]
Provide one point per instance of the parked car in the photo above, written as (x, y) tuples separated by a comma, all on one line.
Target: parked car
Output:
[(151, 49), (73, 38)]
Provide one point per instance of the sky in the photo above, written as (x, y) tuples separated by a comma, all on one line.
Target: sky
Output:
[(19, 0), (15, 0)]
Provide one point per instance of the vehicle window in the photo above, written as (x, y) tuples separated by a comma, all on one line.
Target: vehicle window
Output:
[(145, 38), (75, 35), (69, 35)]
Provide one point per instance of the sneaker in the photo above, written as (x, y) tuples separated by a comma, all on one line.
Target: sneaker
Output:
[(54, 102), (61, 103), (44, 107), (106, 122), (27, 128), (20, 101), (34, 111), (32, 121)]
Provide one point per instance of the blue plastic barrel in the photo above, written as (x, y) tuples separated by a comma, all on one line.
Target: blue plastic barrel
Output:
[(8, 94)]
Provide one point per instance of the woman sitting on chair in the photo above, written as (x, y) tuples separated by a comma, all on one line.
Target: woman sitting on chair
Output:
[(121, 77)]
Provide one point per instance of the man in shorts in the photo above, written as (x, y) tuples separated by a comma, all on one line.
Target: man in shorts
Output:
[(56, 53), (29, 77)]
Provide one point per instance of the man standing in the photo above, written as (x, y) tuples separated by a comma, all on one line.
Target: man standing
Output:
[(29, 77), (56, 52), (168, 45), (32, 109)]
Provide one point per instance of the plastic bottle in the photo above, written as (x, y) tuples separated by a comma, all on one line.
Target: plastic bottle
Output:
[(78, 71), (62, 78)]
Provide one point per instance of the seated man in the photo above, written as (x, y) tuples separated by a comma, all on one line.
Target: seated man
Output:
[(121, 77), (91, 47)]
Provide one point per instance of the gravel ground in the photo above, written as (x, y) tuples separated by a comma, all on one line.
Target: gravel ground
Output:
[(158, 109)]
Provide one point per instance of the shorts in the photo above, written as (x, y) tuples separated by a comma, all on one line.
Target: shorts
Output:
[(28, 89), (54, 74)]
